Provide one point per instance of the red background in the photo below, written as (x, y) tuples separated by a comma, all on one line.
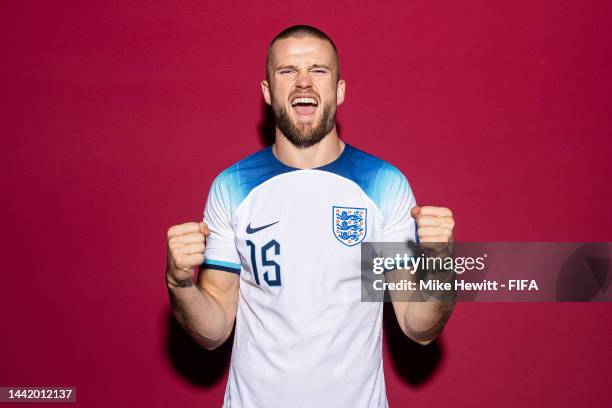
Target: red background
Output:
[(116, 116)]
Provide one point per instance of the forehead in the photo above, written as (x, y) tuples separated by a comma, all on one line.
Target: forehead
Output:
[(306, 50)]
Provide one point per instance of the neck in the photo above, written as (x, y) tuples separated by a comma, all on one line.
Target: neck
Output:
[(317, 155)]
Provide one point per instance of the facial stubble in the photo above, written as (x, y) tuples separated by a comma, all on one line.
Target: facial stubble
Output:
[(304, 134)]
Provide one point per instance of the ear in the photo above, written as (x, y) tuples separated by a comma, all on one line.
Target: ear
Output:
[(265, 90), (340, 89)]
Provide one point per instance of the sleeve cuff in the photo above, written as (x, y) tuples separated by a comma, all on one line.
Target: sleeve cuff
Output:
[(222, 266)]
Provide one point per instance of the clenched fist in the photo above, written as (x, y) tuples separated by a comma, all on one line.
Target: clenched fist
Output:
[(185, 251), (435, 224)]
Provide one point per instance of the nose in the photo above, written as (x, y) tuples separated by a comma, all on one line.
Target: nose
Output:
[(303, 80)]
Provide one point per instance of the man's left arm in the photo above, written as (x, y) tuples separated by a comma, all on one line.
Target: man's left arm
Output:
[(423, 320)]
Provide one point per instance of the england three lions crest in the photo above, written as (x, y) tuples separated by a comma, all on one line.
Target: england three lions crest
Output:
[(349, 224)]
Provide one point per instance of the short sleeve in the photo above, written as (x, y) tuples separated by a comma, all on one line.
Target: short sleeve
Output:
[(399, 225), (221, 252)]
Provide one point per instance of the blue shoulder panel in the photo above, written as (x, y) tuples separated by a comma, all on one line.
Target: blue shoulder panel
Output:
[(376, 177), (237, 181)]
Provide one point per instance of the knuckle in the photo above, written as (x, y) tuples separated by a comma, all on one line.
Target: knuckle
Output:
[(176, 252), (179, 261), (170, 232)]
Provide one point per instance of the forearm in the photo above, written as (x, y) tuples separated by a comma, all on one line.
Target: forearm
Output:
[(423, 321), (200, 314), (421, 314)]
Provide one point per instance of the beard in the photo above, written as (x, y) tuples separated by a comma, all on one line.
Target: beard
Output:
[(305, 134)]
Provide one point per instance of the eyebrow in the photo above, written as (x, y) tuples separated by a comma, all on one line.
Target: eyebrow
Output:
[(320, 66), (281, 67)]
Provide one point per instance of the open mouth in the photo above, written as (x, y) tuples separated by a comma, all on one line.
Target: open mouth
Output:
[(304, 106)]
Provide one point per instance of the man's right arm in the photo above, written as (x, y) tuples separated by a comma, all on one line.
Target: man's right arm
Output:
[(206, 310)]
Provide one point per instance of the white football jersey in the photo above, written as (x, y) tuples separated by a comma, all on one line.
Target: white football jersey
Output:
[(303, 337)]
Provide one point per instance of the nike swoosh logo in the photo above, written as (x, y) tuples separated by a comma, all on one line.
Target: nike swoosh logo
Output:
[(250, 230)]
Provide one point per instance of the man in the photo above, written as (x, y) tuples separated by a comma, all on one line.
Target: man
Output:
[(282, 256)]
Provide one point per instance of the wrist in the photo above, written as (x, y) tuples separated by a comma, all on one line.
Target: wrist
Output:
[(174, 283)]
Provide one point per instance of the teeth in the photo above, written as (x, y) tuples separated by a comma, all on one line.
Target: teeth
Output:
[(304, 100)]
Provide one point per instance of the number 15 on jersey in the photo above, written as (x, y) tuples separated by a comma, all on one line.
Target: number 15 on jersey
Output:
[(271, 269)]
